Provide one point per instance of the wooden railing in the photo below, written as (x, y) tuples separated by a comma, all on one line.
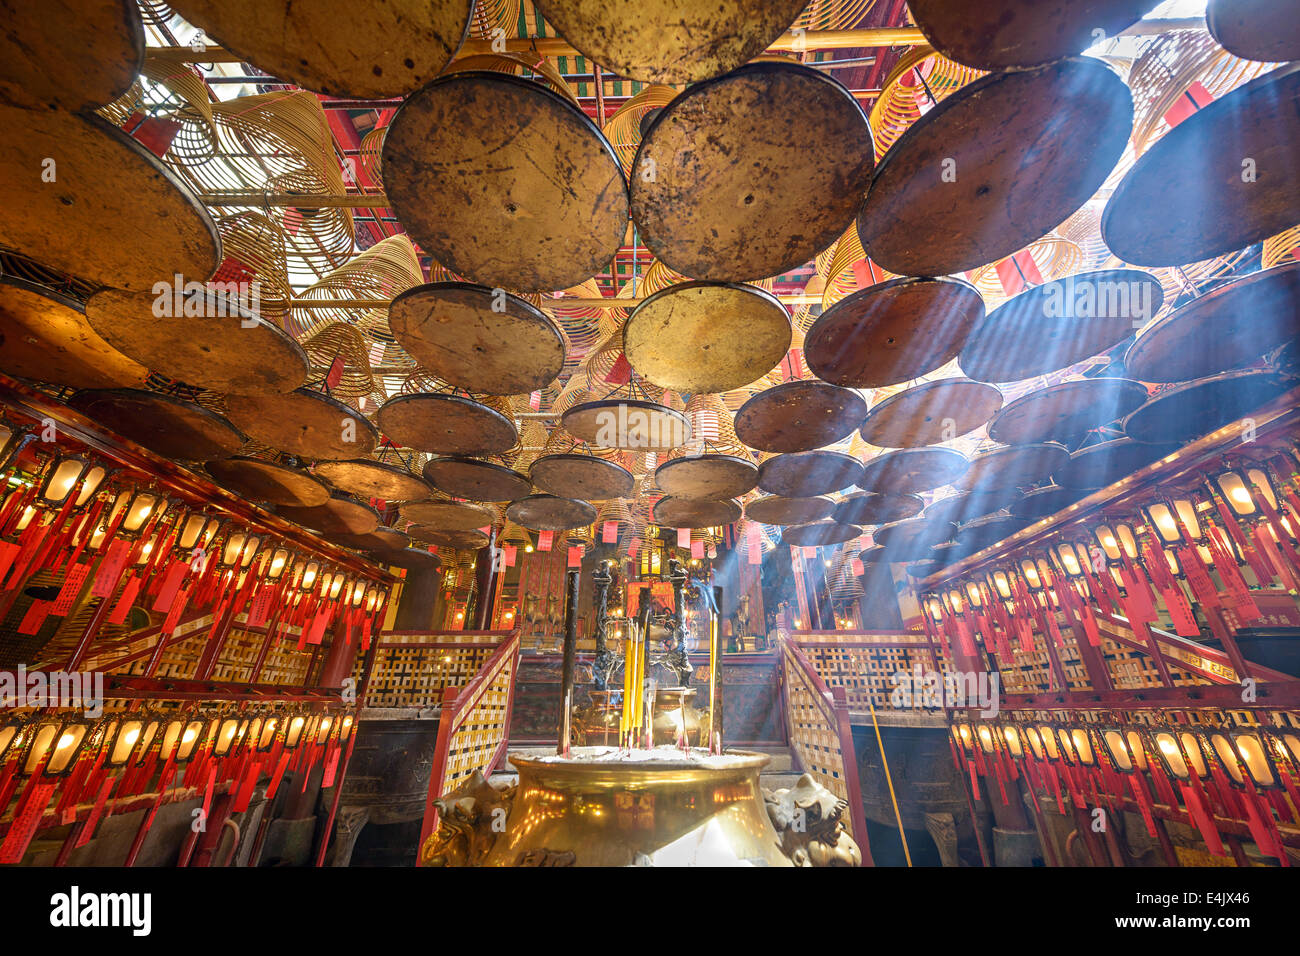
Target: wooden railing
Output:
[(821, 738), (865, 665), (413, 669)]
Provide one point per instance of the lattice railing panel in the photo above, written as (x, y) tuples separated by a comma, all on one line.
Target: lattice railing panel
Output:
[(414, 674), (814, 729), (480, 719), (866, 670)]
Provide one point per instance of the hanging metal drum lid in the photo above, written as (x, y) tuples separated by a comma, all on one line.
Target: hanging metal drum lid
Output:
[(1044, 502), (260, 480), (304, 423), (1100, 465), (505, 182), (479, 339), (200, 337), (808, 473), (910, 539), (1189, 411), (382, 542), (779, 510), (966, 506), (339, 515), (550, 513), (1259, 30), (1013, 466), (695, 512), (114, 215), (167, 426), (581, 476), (475, 480), (446, 424), (1075, 114), (366, 478), (911, 470), (930, 413), (819, 534), (799, 416), (718, 192), (454, 540), (448, 515), (871, 508), (367, 51), (1238, 153), (44, 336), (706, 476), (1066, 412), (707, 336), (671, 41), (629, 424), (892, 332)]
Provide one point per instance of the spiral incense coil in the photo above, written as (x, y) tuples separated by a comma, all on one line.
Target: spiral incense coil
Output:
[(847, 269), (623, 129), (385, 270), (917, 82), (328, 345), (253, 252), (370, 156), (1284, 247), (1054, 257), (833, 14)]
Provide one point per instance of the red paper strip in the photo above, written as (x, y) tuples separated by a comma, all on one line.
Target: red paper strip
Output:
[(23, 827), (683, 537), (171, 583), (544, 539), (110, 569), (575, 556), (35, 617), (609, 532), (92, 820), (697, 550), (71, 588), (508, 552)]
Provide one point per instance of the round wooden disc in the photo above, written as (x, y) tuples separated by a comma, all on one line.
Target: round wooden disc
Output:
[(706, 476), (1262, 30), (966, 506), (1153, 220), (367, 51), (984, 532), (448, 515), (871, 508), (386, 542), (819, 534), (339, 515), (1026, 149), (1013, 466), (201, 338), (114, 215), (627, 423), (1066, 412), (455, 540), (581, 476), (1006, 34), (259, 480), (695, 512), (165, 425), (671, 41), (911, 470), (1234, 325), (476, 480), (303, 423), (550, 513), (892, 332), (476, 338), (930, 413), (505, 182), (799, 416), (775, 509), (374, 479), (45, 337), (62, 54), (808, 473), (446, 424), (707, 336), (1186, 412), (1104, 464), (412, 558), (912, 538), (1044, 502), (1066, 321), (717, 190)]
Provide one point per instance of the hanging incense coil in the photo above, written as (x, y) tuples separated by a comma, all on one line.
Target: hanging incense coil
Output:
[(919, 80), (1052, 256), (254, 257), (344, 345), (539, 69), (623, 129), (387, 269), (631, 424), (809, 473)]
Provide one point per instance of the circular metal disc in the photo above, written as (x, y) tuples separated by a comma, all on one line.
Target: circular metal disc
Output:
[(1152, 219), (707, 336), (930, 413), (1013, 466), (1101, 465), (455, 540), (62, 54), (412, 558), (671, 41), (695, 512), (476, 480), (385, 542), (165, 425), (1044, 502), (1005, 34), (374, 479), (446, 424), (706, 476), (874, 555), (1231, 326), (367, 50), (1186, 412), (44, 336), (1066, 412), (303, 423), (476, 338), (911, 470), (984, 532), (1026, 150), (775, 509), (819, 534), (627, 423), (892, 332), (1067, 321), (924, 568), (717, 190), (1262, 30), (339, 515), (799, 416), (114, 214), (584, 476), (870, 508), (550, 513), (808, 473), (964, 507), (448, 515), (912, 538), (505, 182), (201, 338), (259, 480)]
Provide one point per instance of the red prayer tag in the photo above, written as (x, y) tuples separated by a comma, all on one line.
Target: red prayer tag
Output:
[(575, 556), (544, 539), (171, 583), (697, 550), (609, 532), (508, 555), (71, 588), (35, 617), (23, 828), (683, 537)]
